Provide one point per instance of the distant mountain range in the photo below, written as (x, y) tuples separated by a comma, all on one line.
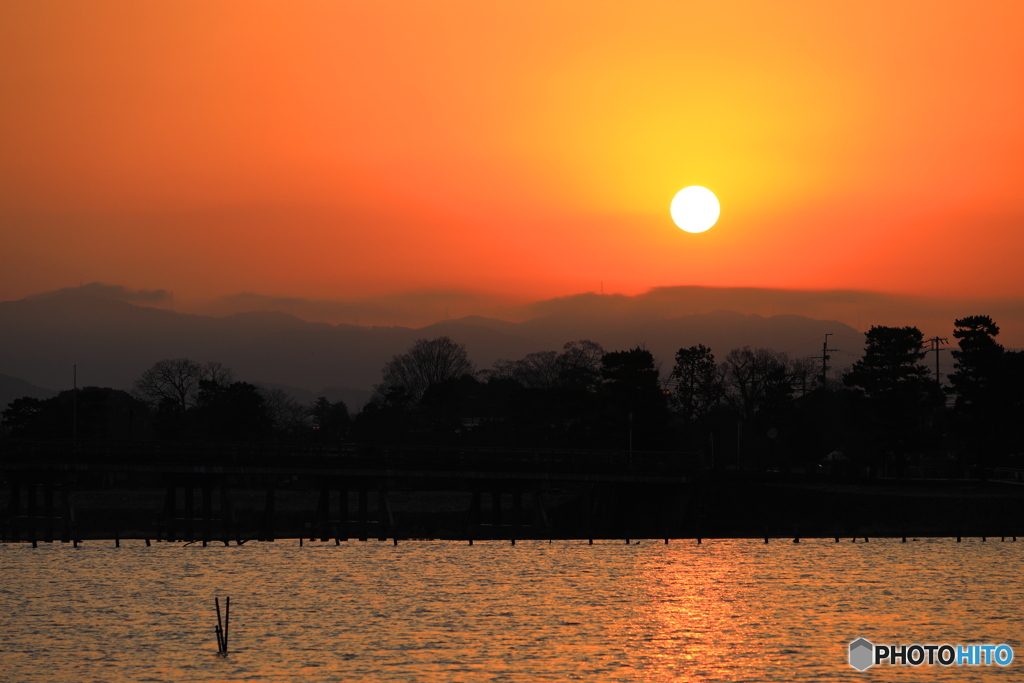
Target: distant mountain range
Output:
[(112, 341), (15, 387)]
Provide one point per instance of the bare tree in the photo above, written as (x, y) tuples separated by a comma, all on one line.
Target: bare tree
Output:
[(536, 370), (218, 373), (427, 362), (173, 379), (177, 380), (286, 413), (579, 364), (755, 378)]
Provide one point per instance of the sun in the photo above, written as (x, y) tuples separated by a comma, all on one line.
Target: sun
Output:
[(695, 208)]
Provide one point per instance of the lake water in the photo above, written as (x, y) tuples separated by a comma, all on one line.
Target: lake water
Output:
[(724, 610)]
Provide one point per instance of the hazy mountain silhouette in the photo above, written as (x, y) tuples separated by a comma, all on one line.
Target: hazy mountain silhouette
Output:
[(859, 309), (15, 387), (113, 341)]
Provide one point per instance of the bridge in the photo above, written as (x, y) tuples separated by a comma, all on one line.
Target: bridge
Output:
[(506, 493)]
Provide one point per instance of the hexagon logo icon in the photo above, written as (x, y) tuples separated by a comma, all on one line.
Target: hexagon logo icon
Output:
[(861, 654)]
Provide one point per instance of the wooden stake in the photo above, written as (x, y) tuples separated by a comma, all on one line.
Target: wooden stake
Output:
[(227, 622), (221, 646)]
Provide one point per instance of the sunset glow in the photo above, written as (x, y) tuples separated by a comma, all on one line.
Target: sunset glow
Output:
[(343, 149)]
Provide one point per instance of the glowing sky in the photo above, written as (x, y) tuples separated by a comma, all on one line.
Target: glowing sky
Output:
[(335, 149)]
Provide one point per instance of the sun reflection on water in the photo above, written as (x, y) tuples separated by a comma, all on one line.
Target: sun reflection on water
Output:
[(722, 610)]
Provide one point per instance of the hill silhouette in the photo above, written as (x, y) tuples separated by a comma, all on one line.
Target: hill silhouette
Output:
[(15, 387), (113, 341)]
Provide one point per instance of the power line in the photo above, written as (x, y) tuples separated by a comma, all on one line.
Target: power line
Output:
[(936, 343), (825, 358)]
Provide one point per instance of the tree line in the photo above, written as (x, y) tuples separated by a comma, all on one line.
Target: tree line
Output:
[(754, 407), (177, 399)]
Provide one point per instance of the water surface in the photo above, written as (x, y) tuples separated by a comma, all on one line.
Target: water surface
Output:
[(724, 610)]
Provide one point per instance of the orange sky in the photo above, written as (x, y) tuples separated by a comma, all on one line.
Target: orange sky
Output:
[(338, 149)]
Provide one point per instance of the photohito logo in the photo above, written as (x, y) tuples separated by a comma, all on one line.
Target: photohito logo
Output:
[(865, 654)]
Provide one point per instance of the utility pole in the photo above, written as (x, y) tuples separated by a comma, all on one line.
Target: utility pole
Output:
[(74, 403), (825, 358), (936, 343)]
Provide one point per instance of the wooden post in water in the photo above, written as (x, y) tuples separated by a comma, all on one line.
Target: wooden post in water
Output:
[(227, 621), (48, 512), (323, 512), (343, 513), (540, 514), (13, 510), (225, 514), (170, 512), (473, 514), (223, 627), (219, 629), (495, 511), (363, 512), (71, 525), (383, 514), (190, 512), (207, 512), (591, 513), (30, 499), (517, 513), (268, 515)]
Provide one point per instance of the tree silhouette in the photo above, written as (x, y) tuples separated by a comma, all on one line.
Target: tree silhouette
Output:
[(330, 419), (172, 381), (235, 412), (635, 404), (427, 362), (95, 413), (540, 370), (579, 364), (900, 402), (175, 382), (989, 387), (755, 380), (891, 368), (697, 382), (978, 361)]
